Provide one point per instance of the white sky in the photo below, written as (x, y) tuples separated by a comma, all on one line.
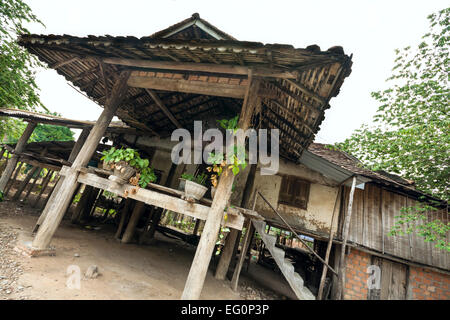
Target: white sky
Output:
[(371, 30)]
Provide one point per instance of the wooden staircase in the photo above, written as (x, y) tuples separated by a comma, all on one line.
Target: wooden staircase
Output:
[(294, 279)]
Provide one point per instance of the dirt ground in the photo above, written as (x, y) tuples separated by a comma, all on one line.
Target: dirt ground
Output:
[(127, 271)]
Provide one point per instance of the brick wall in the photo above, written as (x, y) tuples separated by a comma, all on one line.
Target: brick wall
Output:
[(425, 284), (356, 276)]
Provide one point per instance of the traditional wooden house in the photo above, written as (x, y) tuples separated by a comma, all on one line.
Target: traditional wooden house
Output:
[(193, 71)]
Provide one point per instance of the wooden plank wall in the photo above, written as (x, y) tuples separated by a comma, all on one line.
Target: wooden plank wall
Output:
[(374, 211)]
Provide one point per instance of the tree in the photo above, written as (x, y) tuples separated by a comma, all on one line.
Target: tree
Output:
[(410, 135), (42, 132), (18, 88)]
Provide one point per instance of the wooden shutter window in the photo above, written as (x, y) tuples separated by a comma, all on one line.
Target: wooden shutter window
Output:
[(294, 192)]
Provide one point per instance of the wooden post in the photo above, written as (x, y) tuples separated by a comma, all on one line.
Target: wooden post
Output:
[(14, 178), (20, 146), (330, 244), (59, 205), (345, 231), (245, 245), (33, 184), (73, 154), (197, 225), (228, 250), (205, 248), (43, 187), (77, 146), (123, 217), (138, 210), (81, 204), (25, 182)]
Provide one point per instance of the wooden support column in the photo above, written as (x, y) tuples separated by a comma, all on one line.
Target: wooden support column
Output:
[(38, 174), (14, 178), (138, 210), (59, 205), (228, 250), (25, 182), (345, 231), (330, 244), (205, 248), (20, 146), (56, 179), (123, 217), (73, 154), (245, 245), (82, 203), (43, 187)]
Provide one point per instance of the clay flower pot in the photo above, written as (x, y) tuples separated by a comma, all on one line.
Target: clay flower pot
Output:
[(194, 190), (123, 170)]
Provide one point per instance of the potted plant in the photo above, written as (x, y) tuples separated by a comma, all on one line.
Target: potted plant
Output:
[(194, 187), (236, 158), (128, 166)]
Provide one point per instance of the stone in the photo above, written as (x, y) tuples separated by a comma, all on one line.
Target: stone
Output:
[(92, 272)]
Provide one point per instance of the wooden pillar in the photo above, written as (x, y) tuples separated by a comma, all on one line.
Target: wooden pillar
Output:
[(20, 146), (59, 205), (24, 183), (82, 203), (228, 250), (123, 216), (38, 173), (73, 154), (138, 210), (245, 245), (14, 178), (44, 184), (197, 225), (205, 248), (330, 244), (79, 144), (345, 231), (57, 177)]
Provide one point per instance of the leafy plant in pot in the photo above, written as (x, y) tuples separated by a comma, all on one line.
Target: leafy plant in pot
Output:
[(194, 186), (128, 166)]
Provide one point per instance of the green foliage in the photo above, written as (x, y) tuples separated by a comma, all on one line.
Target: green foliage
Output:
[(42, 132), (411, 135), (229, 124), (417, 218), (132, 157), (18, 88), (200, 179), (1, 196)]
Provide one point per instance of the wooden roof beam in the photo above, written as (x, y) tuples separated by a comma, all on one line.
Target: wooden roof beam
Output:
[(192, 86), (63, 63), (202, 67), (163, 107), (307, 91)]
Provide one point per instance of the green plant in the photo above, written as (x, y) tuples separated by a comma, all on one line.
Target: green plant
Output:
[(1, 196), (145, 174), (200, 179), (234, 159)]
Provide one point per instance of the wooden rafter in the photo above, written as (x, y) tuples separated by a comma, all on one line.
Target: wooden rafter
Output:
[(63, 63), (202, 67), (163, 107)]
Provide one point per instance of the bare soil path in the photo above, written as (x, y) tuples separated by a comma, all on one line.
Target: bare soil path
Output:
[(127, 271)]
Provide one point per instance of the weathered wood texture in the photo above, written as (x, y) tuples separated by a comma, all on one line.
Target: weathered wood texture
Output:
[(374, 212), (6, 175), (393, 284), (69, 184), (158, 199)]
